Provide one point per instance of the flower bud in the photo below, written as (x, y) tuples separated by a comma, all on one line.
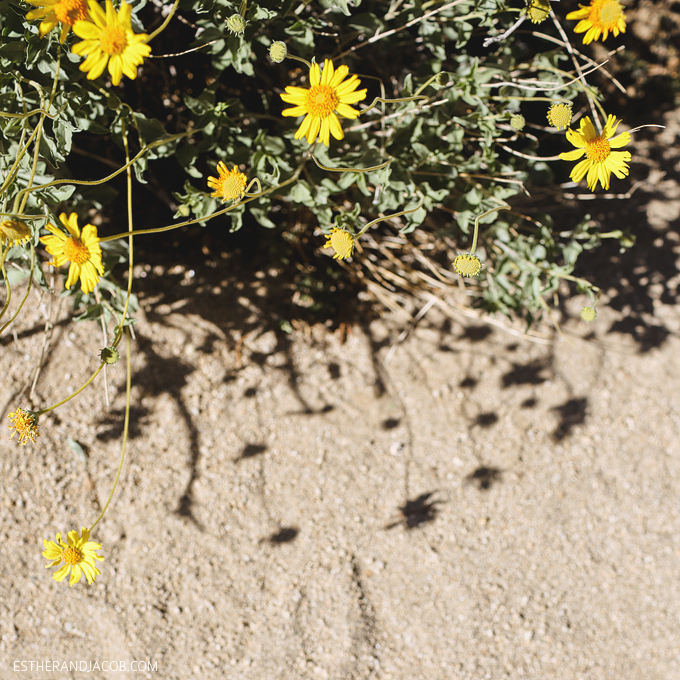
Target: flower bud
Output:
[(109, 355), (588, 314), (517, 122), (236, 24), (278, 51)]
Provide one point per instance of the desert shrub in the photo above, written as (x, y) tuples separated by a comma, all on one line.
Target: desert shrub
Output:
[(417, 123)]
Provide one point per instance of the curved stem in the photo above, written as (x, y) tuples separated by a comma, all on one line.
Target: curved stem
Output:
[(479, 217), (197, 220), (75, 394), (389, 217), (304, 61), (28, 290), (163, 26), (375, 167), (378, 100)]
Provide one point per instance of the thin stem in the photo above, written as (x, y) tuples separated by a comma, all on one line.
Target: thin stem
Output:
[(163, 26), (126, 427), (380, 36), (80, 182), (479, 217), (304, 61), (389, 217), (392, 101), (28, 289), (197, 220), (128, 172), (375, 167), (6, 280), (75, 394)]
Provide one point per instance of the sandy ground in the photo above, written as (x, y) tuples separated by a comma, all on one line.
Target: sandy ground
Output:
[(466, 504)]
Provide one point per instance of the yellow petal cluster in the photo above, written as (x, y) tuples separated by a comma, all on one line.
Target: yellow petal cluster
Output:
[(326, 98), (78, 555), (600, 161), (81, 250), (108, 39)]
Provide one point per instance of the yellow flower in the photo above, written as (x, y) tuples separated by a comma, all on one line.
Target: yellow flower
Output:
[(342, 243), (326, 96), (14, 232), (600, 160), (560, 115), (81, 250), (108, 39), (467, 265), (588, 314), (26, 424), (600, 17), (53, 12), (79, 553), (538, 11), (230, 185)]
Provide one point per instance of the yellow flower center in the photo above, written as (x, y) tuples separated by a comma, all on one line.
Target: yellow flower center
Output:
[(560, 115), (610, 13), (230, 187), (321, 101), (76, 251), (598, 149), (70, 11), (538, 11), (72, 556), (113, 40), (342, 243), (467, 265), (25, 423)]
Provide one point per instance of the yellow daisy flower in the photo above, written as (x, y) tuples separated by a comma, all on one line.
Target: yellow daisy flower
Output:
[(467, 265), (26, 424), (230, 185), (109, 39), (53, 12), (79, 553), (600, 160), (342, 243), (82, 250), (326, 96), (14, 232), (598, 18), (560, 115)]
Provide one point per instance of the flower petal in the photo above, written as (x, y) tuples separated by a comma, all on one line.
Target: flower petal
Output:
[(340, 74), (347, 111), (314, 75), (313, 129), (325, 131), (579, 171), (328, 71), (588, 129), (620, 140), (86, 30), (573, 155), (116, 68), (353, 97), (335, 127), (294, 112), (62, 573)]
